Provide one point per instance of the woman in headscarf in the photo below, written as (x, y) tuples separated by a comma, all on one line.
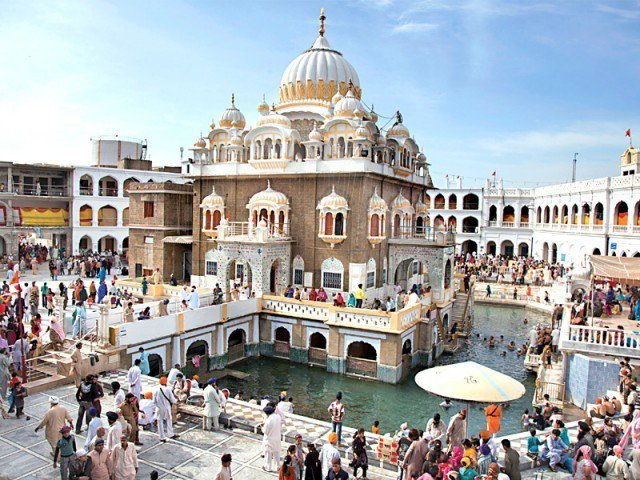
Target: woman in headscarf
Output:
[(633, 432), (466, 472), (583, 466), (56, 334), (456, 456), (484, 460)]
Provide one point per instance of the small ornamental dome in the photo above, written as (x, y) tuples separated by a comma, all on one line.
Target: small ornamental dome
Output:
[(263, 108), (213, 199), (382, 140), (232, 117), (336, 98), (347, 106), (421, 207), (315, 135), (333, 201), (274, 118), (269, 196), (200, 143), (213, 125), (377, 202), (400, 202), (236, 140), (398, 130), (373, 115), (363, 133), (421, 157)]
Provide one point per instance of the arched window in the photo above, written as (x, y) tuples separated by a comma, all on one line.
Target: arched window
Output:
[(371, 274), (555, 214), (547, 215), (328, 224), (621, 214), (598, 214), (470, 225), (281, 222), (125, 217), (298, 270), (107, 217), (508, 214), (332, 273), (565, 215), (524, 214), (207, 220), (452, 224), (439, 202), (339, 227), (86, 216), (586, 214), (493, 213), (453, 202), (438, 223), (470, 202), (539, 215), (374, 230), (427, 201), (217, 217), (108, 187), (574, 215)]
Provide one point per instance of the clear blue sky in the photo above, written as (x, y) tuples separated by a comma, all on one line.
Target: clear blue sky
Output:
[(514, 86)]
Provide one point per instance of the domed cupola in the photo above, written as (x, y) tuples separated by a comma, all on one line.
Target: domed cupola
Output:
[(348, 106), (398, 130), (315, 135), (314, 77), (263, 108), (232, 117), (212, 213), (401, 203), (200, 143), (333, 211), (274, 118)]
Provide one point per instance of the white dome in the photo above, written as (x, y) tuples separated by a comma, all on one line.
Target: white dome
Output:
[(363, 133), (347, 106), (336, 98), (269, 197), (421, 207), (232, 117), (321, 66), (333, 201), (315, 135), (400, 202), (398, 130), (200, 143), (274, 119), (382, 140), (213, 200), (263, 108), (377, 202)]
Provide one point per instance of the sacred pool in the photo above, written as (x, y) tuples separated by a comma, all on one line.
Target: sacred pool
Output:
[(314, 388)]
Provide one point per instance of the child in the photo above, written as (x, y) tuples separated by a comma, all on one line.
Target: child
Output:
[(12, 383), (19, 392), (533, 447), (526, 420), (376, 427)]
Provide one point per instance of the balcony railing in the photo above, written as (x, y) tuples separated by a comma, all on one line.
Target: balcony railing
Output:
[(39, 191), (86, 190), (493, 223), (508, 224), (249, 231), (524, 224), (469, 229), (470, 206), (108, 192), (430, 234), (620, 228)]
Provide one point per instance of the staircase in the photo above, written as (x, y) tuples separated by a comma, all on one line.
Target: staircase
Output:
[(462, 311), (52, 368)]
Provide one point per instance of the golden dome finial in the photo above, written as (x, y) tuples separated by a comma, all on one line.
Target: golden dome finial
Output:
[(233, 99), (322, 19)]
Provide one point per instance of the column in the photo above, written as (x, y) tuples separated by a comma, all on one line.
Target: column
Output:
[(103, 325)]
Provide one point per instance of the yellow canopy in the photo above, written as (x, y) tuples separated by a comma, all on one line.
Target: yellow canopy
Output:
[(470, 382)]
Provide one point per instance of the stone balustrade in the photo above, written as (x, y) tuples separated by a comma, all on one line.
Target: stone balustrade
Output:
[(362, 318)]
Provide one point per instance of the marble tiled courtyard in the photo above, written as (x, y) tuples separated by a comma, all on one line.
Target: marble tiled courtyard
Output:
[(25, 454)]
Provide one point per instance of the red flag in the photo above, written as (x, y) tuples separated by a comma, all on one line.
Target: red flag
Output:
[(628, 133), (493, 174)]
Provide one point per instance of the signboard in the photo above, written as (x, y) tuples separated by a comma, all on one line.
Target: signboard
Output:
[(614, 245)]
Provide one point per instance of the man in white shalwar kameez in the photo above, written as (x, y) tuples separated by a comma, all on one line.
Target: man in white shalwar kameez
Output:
[(135, 379), (18, 348), (272, 440), (328, 452), (163, 398), (124, 460), (211, 406), (114, 432), (194, 299)]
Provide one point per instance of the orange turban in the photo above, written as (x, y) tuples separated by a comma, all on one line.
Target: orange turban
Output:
[(333, 437), (148, 395), (163, 380)]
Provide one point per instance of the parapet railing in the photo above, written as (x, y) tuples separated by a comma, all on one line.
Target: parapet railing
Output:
[(363, 318)]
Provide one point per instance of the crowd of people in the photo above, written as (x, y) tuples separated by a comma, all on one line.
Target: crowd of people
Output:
[(516, 270)]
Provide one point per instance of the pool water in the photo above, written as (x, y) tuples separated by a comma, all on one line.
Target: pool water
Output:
[(313, 388)]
